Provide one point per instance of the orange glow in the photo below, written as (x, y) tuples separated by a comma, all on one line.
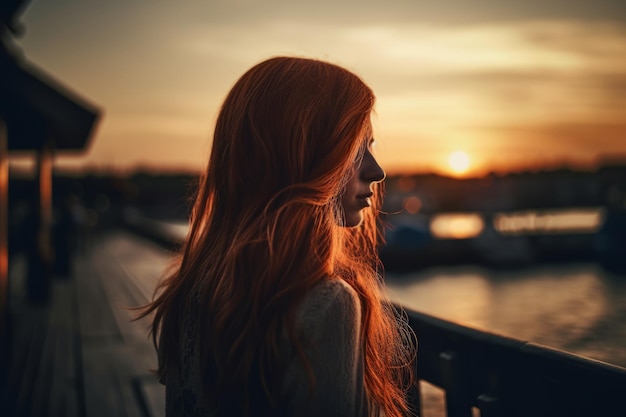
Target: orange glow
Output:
[(457, 226), (459, 162), (412, 204), (550, 221)]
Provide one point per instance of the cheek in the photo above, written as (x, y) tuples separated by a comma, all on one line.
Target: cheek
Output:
[(351, 211), (351, 186)]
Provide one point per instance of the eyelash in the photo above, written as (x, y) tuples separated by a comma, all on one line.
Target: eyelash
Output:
[(361, 153)]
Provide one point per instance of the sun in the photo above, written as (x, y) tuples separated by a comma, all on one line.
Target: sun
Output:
[(459, 162)]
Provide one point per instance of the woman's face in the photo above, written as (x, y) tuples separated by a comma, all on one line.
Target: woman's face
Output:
[(356, 196)]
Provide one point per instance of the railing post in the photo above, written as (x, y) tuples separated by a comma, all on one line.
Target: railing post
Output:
[(488, 405), (456, 401), (414, 397)]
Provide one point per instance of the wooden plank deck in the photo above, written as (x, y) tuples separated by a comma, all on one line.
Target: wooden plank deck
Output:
[(82, 355)]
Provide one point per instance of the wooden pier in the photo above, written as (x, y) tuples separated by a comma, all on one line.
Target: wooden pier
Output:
[(81, 354)]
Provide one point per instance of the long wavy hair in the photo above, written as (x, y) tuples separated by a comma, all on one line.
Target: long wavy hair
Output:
[(266, 227)]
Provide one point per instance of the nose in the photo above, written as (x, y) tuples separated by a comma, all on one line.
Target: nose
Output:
[(371, 171)]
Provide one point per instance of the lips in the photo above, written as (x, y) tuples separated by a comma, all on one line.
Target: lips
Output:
[(365, 199)]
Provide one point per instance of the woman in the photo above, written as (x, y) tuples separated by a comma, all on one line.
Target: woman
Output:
[(275, 307)]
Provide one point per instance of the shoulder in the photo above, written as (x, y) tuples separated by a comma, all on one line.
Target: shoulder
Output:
[(330, 331), (330, 293), (332, 301)]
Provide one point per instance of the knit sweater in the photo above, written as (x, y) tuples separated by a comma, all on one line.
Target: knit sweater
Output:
[(329, 325), (330, 322)]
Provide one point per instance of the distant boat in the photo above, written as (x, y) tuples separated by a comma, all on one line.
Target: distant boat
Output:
[(610, 242)]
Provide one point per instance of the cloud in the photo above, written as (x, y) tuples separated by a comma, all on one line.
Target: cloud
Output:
[(349, 12), (442, 74), (436, 83)]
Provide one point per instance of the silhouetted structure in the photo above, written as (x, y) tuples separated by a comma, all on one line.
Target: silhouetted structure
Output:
[(36, 114)]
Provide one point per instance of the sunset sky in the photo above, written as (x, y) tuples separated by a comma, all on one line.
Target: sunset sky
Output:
[(509, 83)]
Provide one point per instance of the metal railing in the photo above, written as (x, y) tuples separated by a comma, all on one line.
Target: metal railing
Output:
[(504, 377)]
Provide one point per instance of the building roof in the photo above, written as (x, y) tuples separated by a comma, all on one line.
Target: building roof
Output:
[(38, 110)]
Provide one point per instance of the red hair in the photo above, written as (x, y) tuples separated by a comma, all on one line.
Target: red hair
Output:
[(265, 228)]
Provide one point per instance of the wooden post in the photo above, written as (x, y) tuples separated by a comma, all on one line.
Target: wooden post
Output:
[(44, 234), (44, 166), (4, 228), (41, 255), (5, 339)]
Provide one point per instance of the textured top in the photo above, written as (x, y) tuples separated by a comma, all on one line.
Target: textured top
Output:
[(330, 319), (329, 323)]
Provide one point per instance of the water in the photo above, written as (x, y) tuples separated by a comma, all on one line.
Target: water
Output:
[(579, 308)]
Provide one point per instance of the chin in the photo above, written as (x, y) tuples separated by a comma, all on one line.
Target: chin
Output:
[(354, 221)]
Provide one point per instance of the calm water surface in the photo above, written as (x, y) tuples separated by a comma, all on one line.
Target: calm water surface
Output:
[(579, 308)]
